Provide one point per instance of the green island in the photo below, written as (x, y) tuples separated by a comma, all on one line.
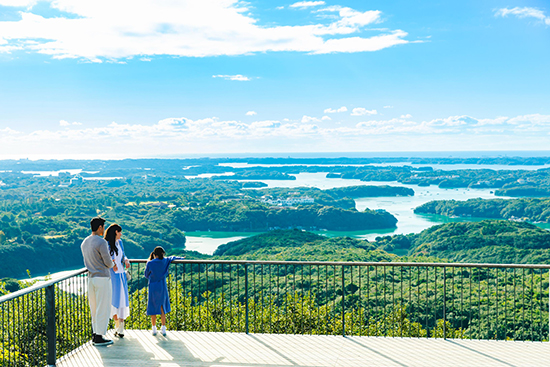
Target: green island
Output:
[(535, 210)]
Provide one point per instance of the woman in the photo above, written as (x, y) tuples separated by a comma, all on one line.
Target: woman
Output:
[(120, 305)]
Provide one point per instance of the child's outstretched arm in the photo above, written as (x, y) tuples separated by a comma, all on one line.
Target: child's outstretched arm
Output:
[(172, 258)]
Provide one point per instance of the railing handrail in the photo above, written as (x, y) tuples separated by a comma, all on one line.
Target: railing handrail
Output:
[(358, 263), (41, 285)]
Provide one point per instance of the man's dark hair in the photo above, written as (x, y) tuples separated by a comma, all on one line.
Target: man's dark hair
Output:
[(97, 222)]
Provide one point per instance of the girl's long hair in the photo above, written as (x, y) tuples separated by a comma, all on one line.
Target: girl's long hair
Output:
[(110, 237), (158, 252)]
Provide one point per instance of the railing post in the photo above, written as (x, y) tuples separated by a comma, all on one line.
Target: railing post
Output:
[(444, 302), (50, 325), (246, 297), (343, 304)]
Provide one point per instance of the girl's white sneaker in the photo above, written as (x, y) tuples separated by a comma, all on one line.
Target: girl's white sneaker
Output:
[(163, 330), (154, 330)]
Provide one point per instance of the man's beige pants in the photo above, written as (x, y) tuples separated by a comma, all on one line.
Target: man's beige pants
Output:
[(99, 298)]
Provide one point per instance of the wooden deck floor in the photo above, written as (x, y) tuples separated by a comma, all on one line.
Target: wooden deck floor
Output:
[(177, 349)]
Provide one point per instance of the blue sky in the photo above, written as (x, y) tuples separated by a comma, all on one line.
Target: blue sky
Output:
[(114, 79)]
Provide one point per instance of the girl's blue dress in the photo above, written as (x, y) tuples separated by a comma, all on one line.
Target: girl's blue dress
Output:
[(157, 271)]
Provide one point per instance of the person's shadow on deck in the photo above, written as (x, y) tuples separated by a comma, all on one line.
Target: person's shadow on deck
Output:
[(140, 348)]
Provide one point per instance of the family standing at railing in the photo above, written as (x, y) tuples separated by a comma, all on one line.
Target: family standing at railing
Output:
[(108, 283)]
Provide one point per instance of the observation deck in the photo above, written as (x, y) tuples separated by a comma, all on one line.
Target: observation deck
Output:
[(203, 349), (229, 313)]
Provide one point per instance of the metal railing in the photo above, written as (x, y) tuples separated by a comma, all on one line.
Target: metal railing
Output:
[(41, 323), (436, 300)]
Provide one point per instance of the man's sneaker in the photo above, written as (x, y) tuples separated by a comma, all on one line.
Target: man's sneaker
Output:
[(100, 340), (120, 335), (163, 330), (154, 330)]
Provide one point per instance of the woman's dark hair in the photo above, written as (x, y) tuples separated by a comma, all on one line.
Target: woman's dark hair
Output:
[(110, 237), (158, 252)]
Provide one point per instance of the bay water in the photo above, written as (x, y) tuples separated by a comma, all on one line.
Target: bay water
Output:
[(401, 207)]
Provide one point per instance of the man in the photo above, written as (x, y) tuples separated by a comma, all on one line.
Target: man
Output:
[(97, 260)]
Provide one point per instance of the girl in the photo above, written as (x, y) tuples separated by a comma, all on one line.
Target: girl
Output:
[(158, 301), (120, 306)]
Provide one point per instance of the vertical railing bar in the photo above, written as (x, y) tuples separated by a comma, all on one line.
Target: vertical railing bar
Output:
[(178, 306), (262, 290), (231, 300), (207, 300), (489, 311), (523, 303), (376, 299), (401, 302), (50, 330), (309, 298), (541, 307), (238, 305), (334, 296), (426, 305), (222, 298), (327, 302), (435, 302), (343, 303), (531, 294), (279, 304), (368, 300), (453, 298), (137, 291), (505, 303), (444, 302), (255, 295), (360, 302), (514, 309), (410, 293), (302, 297), (286, 290), (479, 306), (246, 297), (384, 304), (270, 300), (351, 316), (392, 272), (496, 301)]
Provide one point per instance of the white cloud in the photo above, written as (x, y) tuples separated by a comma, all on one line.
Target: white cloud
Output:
[(237, 77), (360, 111), (341, 109), (182, 135), (251, 113), (525, 12), (66, 123), (306, 4), (407, 116), (454, 121), (326, 118), (306, 119), (104, 30), (388, 106), (18, 3)]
